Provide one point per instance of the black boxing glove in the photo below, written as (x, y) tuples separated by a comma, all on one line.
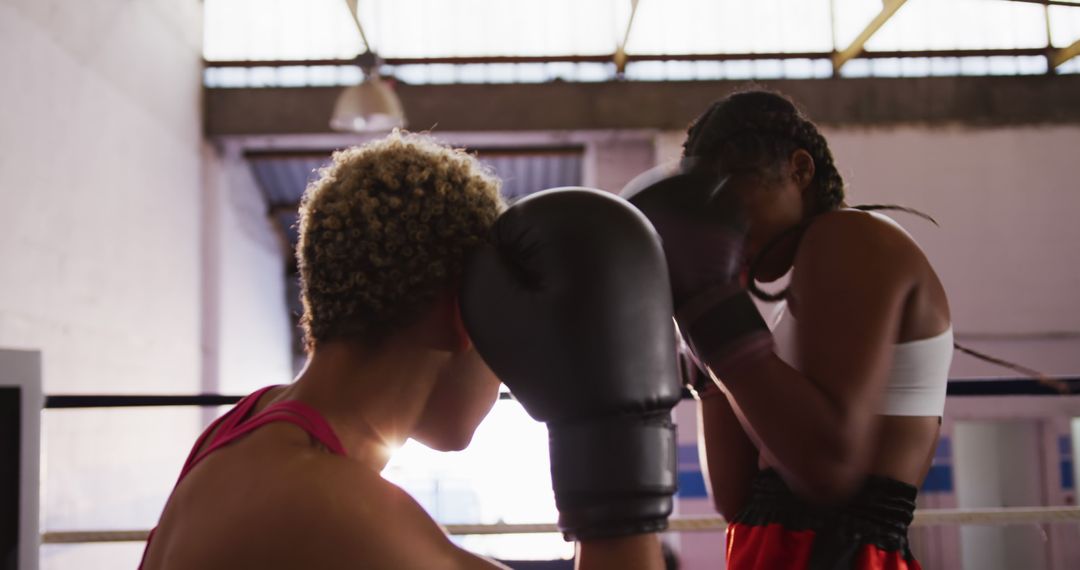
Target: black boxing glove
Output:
[(703, 229), (571, 308)]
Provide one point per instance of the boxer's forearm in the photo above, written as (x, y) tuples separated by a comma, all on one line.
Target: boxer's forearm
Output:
[(728, 456), (633, 552), (806, 435)]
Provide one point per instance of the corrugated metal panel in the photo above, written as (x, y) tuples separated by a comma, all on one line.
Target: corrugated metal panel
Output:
[(283, 177), (525, 173)]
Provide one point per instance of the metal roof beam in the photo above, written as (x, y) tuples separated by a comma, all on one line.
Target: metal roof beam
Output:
[(521, 59), (1064, 54), (1070, 4), (354, 10), (888, 8), (567, 106), (620, 50)]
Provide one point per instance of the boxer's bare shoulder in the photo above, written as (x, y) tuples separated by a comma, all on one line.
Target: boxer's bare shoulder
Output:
[(261, 508), (332, 512)]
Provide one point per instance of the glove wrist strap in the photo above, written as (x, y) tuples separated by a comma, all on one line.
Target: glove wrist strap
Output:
[(724, 329), (629, 491)]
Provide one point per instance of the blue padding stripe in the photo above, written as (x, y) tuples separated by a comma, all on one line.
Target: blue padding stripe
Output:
[(688, 455), (944, 450), (691, 485), (1067, 481), (938, 480), (1065, 446)]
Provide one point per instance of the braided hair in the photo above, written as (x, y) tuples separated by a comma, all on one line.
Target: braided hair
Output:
[(756, 130)]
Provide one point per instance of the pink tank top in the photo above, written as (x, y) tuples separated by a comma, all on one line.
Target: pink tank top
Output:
[(236, 423)]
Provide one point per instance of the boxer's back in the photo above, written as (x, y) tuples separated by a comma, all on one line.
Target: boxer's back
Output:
[(274, 500)]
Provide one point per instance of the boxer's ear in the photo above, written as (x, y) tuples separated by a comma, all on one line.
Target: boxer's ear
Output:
[(802, 168), (442, 326), (462, 342)]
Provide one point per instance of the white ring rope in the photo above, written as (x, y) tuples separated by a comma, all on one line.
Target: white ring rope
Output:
[(928, 517)]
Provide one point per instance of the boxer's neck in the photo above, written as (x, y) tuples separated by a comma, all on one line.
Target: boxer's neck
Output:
[(372, 397)]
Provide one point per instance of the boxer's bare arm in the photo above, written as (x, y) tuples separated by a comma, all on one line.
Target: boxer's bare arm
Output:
[(728, 456), (359, 520), (634, 552), (334, 513), (347, 516)]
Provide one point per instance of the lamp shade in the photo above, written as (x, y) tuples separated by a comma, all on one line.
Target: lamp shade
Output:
[(370, 106)]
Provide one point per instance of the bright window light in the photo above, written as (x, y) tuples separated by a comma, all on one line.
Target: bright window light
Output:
[(730, 26), (323, 29), (502, 477), (961, 24), (1064, 25)]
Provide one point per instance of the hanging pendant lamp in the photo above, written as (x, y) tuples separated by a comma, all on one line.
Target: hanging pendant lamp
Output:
[(372, 105)]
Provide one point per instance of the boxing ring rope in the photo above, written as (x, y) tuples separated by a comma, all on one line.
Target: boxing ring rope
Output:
[(995, 387), (923, 517), (928, 517)]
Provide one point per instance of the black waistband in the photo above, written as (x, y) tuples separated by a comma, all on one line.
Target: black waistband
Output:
[(882, 507)]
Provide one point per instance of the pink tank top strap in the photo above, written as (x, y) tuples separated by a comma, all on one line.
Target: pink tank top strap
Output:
[(221, 426), (236, 423), (218, 428), (291, 411), (301, 414)]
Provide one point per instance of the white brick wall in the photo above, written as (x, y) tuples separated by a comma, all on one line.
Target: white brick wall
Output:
[(100, 181), (247, 331)]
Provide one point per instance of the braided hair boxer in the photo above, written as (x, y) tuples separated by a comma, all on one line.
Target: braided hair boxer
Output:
[(290, 477), (816, 435)]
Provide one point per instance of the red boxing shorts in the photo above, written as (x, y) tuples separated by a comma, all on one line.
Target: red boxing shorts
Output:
[(779, 531)]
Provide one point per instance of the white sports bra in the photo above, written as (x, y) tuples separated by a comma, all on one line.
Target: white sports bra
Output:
[(918, 377)]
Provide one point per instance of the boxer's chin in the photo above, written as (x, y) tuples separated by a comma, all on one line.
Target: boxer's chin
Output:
[(447, 439), (770, 275)]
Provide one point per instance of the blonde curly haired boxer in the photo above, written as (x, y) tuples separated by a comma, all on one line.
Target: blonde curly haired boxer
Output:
[(290, 477)]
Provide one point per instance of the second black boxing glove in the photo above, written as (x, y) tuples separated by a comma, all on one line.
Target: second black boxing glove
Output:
[(703, 228)]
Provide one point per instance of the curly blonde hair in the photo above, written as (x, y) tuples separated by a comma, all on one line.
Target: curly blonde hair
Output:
[(384, 229)]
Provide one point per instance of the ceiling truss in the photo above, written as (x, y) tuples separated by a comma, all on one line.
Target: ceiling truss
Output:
[(888, 9)]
